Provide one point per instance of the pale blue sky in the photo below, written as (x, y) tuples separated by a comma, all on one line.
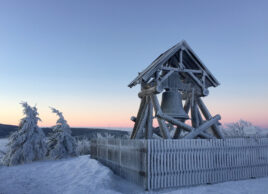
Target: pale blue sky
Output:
[(79, 56)]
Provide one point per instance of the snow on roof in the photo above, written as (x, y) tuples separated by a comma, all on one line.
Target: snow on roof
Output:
[(190, 60)]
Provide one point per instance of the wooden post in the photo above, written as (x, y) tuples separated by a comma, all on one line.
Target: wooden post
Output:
[(149, 122), (162, 124), (150, 91), (157, 131), (177, 133), (194, 114), (142, 125), (201, 121), (139, 119), (208, 116)]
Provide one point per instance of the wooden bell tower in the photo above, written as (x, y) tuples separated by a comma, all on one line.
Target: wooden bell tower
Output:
[(183, 80)]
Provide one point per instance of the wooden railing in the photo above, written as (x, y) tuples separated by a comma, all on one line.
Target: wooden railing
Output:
[(157, 164)]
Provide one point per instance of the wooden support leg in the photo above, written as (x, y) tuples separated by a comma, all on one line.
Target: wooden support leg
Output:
[(208, 116), (162, 124), (157, 131), (139, 118), (177, 133), (187, 105), (194, 114), (149, 122), (201, 121)]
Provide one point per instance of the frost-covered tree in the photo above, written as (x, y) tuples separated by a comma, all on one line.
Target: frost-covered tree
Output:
[(28, 143), (61, 143), (242, 128)]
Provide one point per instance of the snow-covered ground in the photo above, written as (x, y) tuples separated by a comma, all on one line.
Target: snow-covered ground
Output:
[(81, 175)]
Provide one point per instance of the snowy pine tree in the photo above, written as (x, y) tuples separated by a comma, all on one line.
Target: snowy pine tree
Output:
[(28, 143), (61, 143)]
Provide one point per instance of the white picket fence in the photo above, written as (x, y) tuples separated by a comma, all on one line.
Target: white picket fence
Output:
[(157, 164)]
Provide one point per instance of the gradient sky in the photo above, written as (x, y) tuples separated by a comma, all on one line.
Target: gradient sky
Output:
[(79, 56)]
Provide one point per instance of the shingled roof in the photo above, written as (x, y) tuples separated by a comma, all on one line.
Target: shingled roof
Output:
[(190, 60)]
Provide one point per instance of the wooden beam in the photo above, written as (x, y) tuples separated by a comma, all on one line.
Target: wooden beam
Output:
[(205, 91), (162, 124), (194, 114), (204, 75), (208, 116), (159, 61), (162, 79), (157, 132), (140, 132), (174, 121), (149, 122), (177, 133), (181, 58), (197, 63), (199, 83), (192, 71), (170, 69), (139, 118), (199, 116), (182, 125), (175, 61), (182, 70), (150, 91), (203, 127)]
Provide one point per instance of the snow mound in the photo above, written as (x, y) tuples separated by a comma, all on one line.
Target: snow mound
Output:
[(70, 176)]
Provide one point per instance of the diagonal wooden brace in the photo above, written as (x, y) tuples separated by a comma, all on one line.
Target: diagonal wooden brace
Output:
[(203, 127), (208, 116), (182, 125), (162, 124), (140, 118)]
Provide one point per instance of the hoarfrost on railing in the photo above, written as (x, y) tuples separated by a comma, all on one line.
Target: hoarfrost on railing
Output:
[(156, 164)]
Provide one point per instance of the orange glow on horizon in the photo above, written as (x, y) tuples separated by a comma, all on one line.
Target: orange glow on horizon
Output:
[(99, 115), (130, 124)]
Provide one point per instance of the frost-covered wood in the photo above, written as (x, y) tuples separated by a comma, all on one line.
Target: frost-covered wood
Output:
[(126, 158), (28, 143), (83, 146), (180, 76), (158, 164), (61, 143)]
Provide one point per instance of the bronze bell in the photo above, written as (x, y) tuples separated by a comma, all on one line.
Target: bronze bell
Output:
[(172, 104)]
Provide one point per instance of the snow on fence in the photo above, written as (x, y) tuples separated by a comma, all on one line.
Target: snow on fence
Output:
[(157, 164)]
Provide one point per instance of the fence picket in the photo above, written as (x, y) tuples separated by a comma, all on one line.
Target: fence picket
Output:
[(156, 164)]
